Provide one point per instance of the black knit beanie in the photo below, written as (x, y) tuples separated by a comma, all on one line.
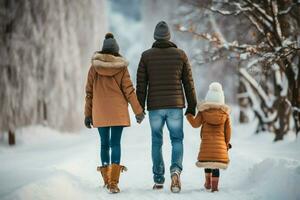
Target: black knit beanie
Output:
[(110, 45)]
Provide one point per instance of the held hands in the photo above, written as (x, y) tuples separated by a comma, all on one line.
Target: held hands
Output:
[(189, 116), (88, 122), (140, 117)]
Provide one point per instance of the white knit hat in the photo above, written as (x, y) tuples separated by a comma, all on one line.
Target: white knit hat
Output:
[(215, 93)]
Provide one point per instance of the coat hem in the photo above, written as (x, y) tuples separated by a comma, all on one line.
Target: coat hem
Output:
[(212, 165), (109, 125)]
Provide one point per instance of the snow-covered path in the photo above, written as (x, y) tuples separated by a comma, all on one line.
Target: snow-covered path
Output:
[(48, 165)]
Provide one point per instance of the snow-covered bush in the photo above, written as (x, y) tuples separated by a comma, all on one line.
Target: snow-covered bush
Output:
[(45, 51)]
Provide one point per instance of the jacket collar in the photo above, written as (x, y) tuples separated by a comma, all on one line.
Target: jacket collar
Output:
[(163, 44), (108, 61)]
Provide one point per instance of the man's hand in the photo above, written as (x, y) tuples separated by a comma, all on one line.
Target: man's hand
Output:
[(191, 111)]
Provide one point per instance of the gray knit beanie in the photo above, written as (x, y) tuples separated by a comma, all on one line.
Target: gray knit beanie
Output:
[(162, 31), (110, 45)]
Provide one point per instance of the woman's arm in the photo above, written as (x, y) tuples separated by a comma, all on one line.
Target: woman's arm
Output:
[(89, 93), (195, 122)]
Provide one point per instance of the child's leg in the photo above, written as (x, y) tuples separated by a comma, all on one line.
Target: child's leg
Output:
[(215, 180), (215, 173), (104, 152), (207, 184), (115, 144)]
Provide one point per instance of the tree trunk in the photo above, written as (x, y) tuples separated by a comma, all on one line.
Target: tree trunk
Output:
[(11, 138), (243, 103), (284, 112)]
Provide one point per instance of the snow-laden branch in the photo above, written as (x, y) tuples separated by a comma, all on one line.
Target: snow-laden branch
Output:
[(253, 12), (286, 11), (296, 109), (261, 11), (257, 25), (220, 42), (224, 12), (243, 95), (266, 99), (278, 79), (256, 104), (276, 21), (267, 54)]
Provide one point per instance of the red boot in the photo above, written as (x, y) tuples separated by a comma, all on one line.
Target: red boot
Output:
[(214, 184), (207, 183)]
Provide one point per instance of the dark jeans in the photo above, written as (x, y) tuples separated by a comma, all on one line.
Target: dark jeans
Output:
[(110, 138), (173, 118), (215, 172)]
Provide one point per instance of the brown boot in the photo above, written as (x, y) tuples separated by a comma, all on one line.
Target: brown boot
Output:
[(214, 184), (104, 170), (207, 183), (114, 177), (157, 186), (175, 184)]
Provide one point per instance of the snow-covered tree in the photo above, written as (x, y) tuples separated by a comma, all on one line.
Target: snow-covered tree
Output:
[(272, 53), (45, 51)]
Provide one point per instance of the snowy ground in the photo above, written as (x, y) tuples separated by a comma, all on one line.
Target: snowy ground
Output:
[(48, 165)]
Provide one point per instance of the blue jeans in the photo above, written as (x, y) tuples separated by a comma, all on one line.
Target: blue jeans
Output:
[(174, 120), (110, 137)]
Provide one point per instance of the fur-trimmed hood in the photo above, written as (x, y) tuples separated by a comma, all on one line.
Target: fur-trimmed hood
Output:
[(212, 105), (107, 64)]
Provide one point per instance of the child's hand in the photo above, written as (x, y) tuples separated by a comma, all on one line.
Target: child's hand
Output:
[(189, 115)]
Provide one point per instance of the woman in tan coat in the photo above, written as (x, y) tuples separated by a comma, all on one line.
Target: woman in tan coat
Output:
[(108, 92), (215, 135)]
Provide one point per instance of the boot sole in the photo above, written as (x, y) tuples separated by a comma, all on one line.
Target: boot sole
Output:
[(158, 186), (175, 189), (112, 192)]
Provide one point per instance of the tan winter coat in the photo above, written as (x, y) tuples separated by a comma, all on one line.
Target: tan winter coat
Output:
[(108, 91), (215, 134)]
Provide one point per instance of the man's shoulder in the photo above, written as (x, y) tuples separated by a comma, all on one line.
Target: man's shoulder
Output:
[(154, 50), (181, 51), (147, 52)]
